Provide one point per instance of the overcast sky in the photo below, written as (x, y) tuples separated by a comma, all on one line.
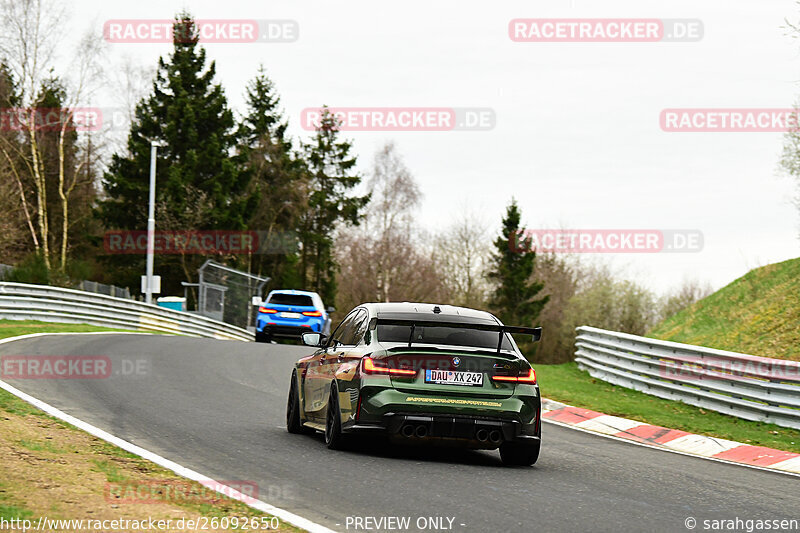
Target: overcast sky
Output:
[(577, 139)]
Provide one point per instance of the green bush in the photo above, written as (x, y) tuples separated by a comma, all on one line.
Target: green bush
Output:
[(32, 269)]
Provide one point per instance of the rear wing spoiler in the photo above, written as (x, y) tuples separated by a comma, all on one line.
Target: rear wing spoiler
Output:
[(536, 332)]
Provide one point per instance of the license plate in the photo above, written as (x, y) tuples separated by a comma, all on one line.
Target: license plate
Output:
[(290, 315), (449, 377)]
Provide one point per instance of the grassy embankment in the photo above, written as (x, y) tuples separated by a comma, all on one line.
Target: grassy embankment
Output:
[(758, 314)]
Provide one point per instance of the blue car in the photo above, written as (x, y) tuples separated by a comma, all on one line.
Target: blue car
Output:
[(289, 313)]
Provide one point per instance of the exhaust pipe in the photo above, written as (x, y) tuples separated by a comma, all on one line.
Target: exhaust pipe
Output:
[(421, 431), (495, 436), (482, 435), (407, 430)]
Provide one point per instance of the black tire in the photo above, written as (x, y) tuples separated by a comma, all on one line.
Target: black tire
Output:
[(520, 453), (293, 422), (334, 438), (263, 337)]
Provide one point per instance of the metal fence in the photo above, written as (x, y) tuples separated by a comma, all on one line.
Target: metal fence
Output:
[(89, 286), (102, 288), (746, 386), (21, 301)]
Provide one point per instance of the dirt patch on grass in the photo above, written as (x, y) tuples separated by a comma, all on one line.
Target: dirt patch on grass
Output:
[(49, 469)]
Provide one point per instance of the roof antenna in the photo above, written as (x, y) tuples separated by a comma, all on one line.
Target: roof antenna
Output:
[(436, 309)]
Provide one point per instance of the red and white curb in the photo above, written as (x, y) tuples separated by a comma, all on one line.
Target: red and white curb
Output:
[(671, 439)]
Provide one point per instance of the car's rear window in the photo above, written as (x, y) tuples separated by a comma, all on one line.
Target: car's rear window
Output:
[(300, 300), (442, 335)]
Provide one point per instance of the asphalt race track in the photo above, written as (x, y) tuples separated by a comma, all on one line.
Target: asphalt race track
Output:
[(218, 407)]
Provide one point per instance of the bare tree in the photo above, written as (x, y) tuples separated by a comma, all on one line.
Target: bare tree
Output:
[(12, 223), (462, 252), (33, 32), (88, 69), (790, 158), (11, 152), (395, 196), (385, 258), (587, 292), (683, 296), (130, 83), (606, 301), (560, 274), (395, 193)]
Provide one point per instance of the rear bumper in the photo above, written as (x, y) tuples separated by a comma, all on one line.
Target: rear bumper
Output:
[(379, 401), (474, 432), (375, 405), (290, 330)]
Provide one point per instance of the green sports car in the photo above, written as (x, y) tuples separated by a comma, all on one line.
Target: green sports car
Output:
[(420, 373)]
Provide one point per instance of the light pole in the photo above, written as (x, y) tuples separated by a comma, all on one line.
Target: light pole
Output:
[(151, 223)]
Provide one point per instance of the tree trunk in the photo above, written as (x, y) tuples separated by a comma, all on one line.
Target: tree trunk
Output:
[(41, 192), (64, 200), (25, 209)]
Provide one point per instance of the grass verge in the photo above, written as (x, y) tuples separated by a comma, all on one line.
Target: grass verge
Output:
[(566, 383), (13, 328), (51, 469)]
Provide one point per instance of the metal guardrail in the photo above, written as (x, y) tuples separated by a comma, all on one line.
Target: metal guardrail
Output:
[(746, 386), (21, 301)]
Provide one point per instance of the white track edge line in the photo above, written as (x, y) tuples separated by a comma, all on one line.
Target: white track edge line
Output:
[(665, 449), (262, 506), (44, 334)]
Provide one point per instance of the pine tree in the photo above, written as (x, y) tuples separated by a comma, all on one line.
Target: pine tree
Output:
[(276, 178), (331, 176), (199, 183), (514, 297)]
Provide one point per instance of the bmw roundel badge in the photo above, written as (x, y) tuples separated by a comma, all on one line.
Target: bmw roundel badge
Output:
[(456, 361)]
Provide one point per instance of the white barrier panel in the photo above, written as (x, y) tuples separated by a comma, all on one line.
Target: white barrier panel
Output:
[(746, 386), (21, 301)]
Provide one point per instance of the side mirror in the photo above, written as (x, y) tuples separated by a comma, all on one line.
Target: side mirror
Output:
[(537, 334), (312, 339), (257, 301), (331, 309)]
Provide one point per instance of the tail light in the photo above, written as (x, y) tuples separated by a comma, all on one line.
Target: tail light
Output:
[(267, 310), (529, 378), (370, 366), (312, 313)]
